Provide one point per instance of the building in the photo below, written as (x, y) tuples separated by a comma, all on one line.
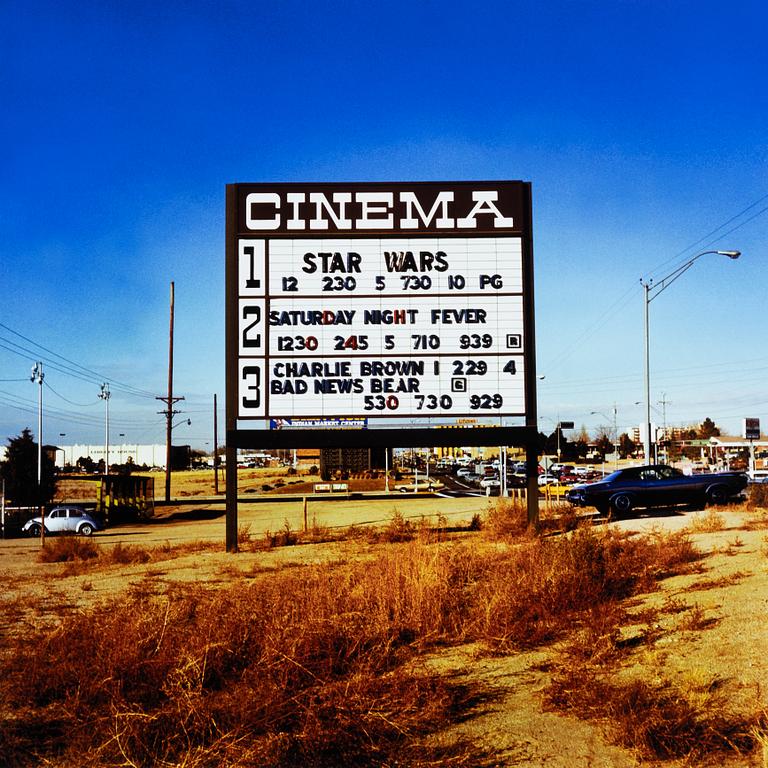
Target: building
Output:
[(151, 455)]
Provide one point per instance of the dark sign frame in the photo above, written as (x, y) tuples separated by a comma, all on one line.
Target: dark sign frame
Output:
[(288, 211)]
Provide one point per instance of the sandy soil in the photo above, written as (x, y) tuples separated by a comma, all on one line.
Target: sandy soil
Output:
[(719, 629)]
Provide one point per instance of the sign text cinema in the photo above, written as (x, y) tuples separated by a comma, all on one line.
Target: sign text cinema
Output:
[(379, 210)]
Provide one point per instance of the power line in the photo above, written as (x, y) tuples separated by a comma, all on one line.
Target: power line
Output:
[(591, 329), (129, 388), (700, 243), (79, 405)]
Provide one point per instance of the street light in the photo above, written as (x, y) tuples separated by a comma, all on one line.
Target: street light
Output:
[(652, 290), (38, 376), (615, 434), (104, 395)]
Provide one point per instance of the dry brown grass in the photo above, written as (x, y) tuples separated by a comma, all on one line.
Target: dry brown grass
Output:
[(318, 665), (709, 521), (68, 549), (689, 719), (304, 669)]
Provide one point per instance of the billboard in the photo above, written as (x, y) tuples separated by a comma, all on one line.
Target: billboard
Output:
[(389, 303)]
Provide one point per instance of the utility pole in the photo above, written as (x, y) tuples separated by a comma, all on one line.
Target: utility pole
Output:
[(105, 395), (663, 402), (169, 401), (215, 447), (39, 376)]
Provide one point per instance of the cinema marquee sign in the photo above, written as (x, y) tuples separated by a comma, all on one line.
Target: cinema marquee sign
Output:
[(384, 302)]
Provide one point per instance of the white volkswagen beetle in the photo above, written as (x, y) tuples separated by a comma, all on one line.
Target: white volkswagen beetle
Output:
[(64, 519)]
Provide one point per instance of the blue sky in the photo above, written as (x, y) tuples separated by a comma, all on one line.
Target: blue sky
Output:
[(643, 127)]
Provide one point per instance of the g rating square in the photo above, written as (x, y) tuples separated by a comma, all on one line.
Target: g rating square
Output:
[(458, 384)]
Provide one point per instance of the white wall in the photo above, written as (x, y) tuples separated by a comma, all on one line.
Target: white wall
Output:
[(151, 455)]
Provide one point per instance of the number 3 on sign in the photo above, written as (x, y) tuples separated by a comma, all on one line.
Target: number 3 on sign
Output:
[(251, 401)]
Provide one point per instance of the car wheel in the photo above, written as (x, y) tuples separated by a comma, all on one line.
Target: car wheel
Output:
[(718, 495), (34, 531), (86, 529), (403, 490), (621, 504)]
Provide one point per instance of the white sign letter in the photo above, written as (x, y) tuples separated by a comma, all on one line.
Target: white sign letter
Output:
[(262, 198), (485, 203), (321, 201), (384, 210), (411, 202)]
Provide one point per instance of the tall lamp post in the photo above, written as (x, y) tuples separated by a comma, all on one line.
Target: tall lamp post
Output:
[(39, 377), (651, 291), (615, 433), (105, 395)]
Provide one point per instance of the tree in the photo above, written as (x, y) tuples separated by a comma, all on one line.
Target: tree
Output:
[(581, 447), (604, 444), (86, 464), (627, 445), (19, 470), (708, 429)]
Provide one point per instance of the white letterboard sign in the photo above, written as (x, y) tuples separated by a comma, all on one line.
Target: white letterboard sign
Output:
[(380, 301)]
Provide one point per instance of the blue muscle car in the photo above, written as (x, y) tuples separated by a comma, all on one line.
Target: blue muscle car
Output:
[(656, 485)]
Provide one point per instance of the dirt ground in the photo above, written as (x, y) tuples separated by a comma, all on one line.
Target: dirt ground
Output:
[(719, 630)]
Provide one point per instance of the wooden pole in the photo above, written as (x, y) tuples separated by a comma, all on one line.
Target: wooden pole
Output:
[(169, 417), (215, 447)]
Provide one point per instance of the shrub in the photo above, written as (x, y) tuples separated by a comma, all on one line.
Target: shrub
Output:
[(65, 549), (660, 720), (707, 522), (531, 595), (398, 529), (757, 496), (244, 534), (476, 523), (285, 537), (128, 554), (506, 518)]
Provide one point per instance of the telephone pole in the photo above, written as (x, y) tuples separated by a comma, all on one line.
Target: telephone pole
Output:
[(169, 401), (215, 447)]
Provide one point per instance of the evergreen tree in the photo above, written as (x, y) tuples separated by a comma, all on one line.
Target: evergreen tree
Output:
[(19, 470), (708, 429)]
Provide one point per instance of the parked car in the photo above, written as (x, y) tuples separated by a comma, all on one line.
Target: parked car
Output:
[(490, 482), (656, 485), (422, 485), (64, 519), (547, 479), (463, 472)]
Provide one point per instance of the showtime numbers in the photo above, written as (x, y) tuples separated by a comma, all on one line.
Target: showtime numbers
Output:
[(485, 402), (475, 341), (297, 343), (380, 403), (433, 402)]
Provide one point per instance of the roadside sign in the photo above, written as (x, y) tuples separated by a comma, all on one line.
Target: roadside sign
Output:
[(751, 429), (400, 307), (380, 301)]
